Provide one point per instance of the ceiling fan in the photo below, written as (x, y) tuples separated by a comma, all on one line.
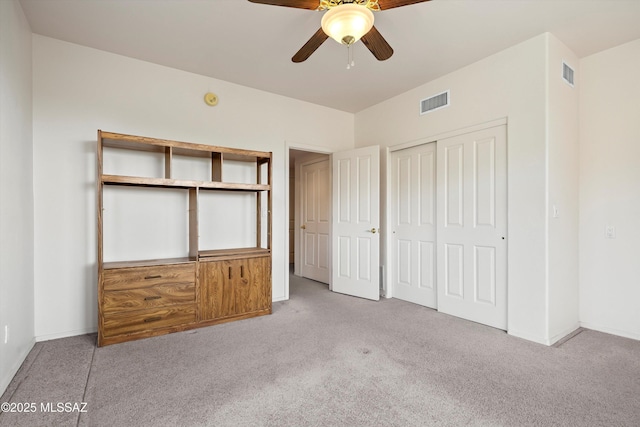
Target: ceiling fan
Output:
[(346, 21)]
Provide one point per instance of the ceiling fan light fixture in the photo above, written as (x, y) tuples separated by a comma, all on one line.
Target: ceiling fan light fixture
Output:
[(347, 23)]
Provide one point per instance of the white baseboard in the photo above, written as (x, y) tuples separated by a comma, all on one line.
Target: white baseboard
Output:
[(554, 339), (66, 334), (6, 379), (612, 331), (529, 337), (278, 299)]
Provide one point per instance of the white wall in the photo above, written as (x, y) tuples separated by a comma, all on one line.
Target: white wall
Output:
[(562, 148), (610, 190), (78, 90), (510, 84), (16, 191)]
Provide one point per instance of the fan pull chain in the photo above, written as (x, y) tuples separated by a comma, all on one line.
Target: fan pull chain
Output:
[(348, 57), (350, 61)]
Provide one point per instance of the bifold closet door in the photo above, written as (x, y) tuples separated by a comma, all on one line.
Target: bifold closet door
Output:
[(472, 226), (413, 221)]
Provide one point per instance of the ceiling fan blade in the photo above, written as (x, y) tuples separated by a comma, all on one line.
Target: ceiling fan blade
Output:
[(390, 4), (374, 41), (310, 46), (299, 4)]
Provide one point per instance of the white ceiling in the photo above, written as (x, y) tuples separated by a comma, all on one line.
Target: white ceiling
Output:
[(252, 44)]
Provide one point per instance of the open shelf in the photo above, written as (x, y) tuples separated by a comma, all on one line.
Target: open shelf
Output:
[(142, 143), (165, 200), (177, 183)]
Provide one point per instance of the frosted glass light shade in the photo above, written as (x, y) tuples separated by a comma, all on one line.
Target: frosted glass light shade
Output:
[(347, 23)]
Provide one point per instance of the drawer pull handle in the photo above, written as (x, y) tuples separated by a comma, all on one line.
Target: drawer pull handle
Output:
[(150, 298), (229, 273), (242, 271), (152, 319), (157, 276)]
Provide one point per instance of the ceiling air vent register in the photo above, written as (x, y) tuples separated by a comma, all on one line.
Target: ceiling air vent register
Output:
[(436, 102), (567, 74)]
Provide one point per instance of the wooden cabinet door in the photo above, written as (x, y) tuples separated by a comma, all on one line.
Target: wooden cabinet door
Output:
[(214, 279), (233, 287), (253, 288)]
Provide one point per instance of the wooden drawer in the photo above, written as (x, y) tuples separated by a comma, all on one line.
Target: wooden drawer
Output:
[(143, 298), (145, 277), (147, 320)]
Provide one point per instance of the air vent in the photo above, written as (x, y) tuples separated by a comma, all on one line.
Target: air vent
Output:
[(567, 74), (436, 102)]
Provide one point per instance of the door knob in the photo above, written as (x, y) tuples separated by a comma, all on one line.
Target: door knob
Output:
[(373, 230), (304, 227)]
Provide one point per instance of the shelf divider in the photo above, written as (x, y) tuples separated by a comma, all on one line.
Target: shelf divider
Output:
[(168, 159), (216, 167), (193, 222)]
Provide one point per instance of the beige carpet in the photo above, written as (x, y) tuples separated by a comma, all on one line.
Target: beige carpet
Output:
[(324, 359)]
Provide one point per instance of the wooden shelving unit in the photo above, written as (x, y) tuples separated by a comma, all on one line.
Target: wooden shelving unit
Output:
[(140, 298)]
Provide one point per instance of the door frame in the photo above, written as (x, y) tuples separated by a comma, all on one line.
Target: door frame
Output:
[(297, 220), (386, 217), (288, 146)]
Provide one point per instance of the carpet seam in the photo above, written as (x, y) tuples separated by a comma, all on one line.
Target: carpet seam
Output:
[(86, 385)]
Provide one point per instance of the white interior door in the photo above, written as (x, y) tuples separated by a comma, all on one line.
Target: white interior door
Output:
[(413, 220), (316, 221), (356, 222), (472, 226)]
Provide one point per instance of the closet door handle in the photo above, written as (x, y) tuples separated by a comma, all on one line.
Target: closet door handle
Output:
[(242, 271), (229, 273)]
